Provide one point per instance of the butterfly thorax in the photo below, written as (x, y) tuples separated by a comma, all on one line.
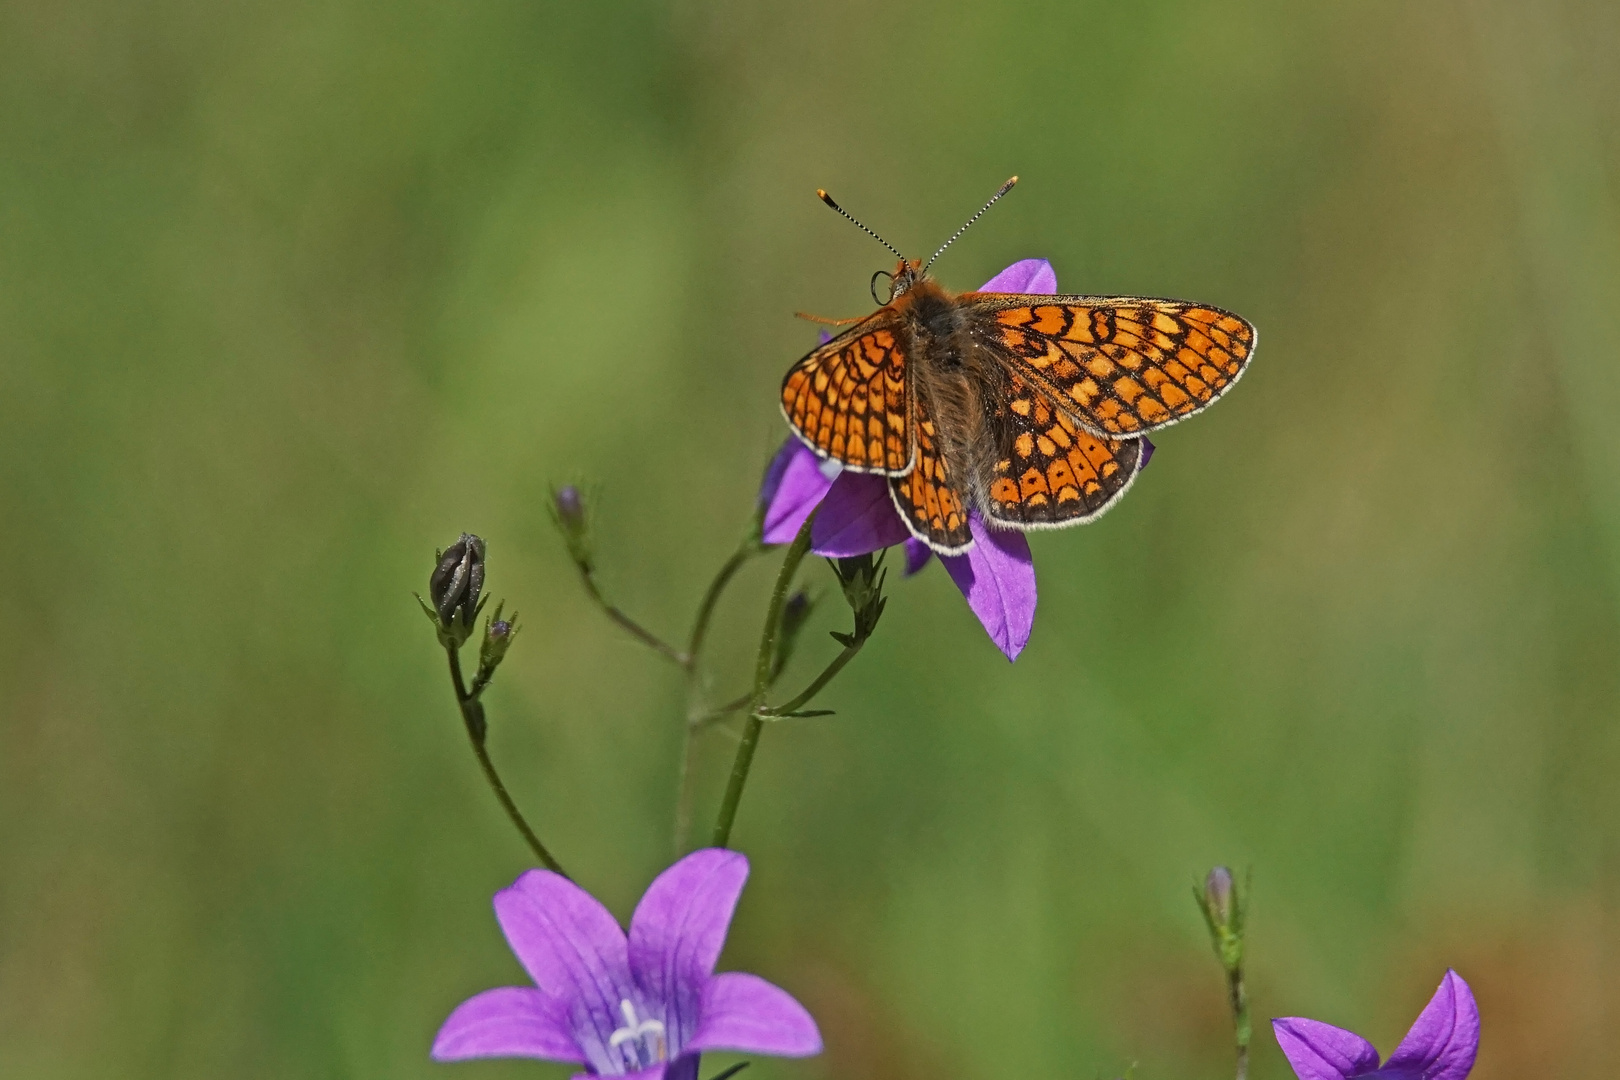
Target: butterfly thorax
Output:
[(955, 378)]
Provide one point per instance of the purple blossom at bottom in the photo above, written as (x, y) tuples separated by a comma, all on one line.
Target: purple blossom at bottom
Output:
[(1440, 1046), (996, 574), (643, 1006)]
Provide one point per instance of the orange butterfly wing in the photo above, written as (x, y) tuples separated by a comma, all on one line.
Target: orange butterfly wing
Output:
[(1122, 365), (928, 498), (849, 398), (1048, 471)]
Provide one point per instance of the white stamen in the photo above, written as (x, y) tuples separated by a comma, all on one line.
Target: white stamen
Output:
[(634, 1031)]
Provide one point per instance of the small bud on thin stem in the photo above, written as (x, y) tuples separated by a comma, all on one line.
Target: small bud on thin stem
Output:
[(1225, 908), (498, 636), (795, 613), (569, 514), (570, 507)]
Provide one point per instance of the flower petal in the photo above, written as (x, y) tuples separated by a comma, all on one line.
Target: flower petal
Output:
[(512, 1021), (997, 575), (1147, 453), (1024, 276), (773, 471), (574, 951), (1444, 1038), (857, 517), (794, 484), (1319, 1051), (677, 933), (682, 1068), (746, 1014), (917, 555)]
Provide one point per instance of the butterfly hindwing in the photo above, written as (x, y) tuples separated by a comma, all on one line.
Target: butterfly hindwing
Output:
[(850, 400), (929, 498), (1048, 471), (1123, 366)]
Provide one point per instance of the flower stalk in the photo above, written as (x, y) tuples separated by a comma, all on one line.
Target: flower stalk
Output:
[(453, 604), (570, 515), (764, 666), (1225, 907), (699, 714), (862, 580), (472, 715)]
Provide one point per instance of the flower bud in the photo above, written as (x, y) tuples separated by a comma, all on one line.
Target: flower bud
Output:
[(568, 512), (455, 588), (498, 635), (795, 613), (1222, 903), (1218, 895), (570, 507)]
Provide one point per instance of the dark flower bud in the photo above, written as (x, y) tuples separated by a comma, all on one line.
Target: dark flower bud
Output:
[(795, 613), (568, 512), (455, 589)]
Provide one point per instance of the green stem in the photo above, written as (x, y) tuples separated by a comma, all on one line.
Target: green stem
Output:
[(700, 627), (472, 715), (720, 712), (639, 632), (697, 713), (763, 665), (821, 680), (1240, 1019)]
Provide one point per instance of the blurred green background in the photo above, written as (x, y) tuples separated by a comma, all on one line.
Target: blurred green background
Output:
[(291, 294)]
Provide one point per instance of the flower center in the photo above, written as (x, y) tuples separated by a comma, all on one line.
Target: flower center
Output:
[(640, 1041)]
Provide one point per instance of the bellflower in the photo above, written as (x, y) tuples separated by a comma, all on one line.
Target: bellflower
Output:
[(996, 574), (1440, 1046), (643, 1006)]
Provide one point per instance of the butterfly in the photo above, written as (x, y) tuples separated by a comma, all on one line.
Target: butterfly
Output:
[(1028, 409)]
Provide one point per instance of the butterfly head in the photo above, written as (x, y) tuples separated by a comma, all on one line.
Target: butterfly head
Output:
[(906, 275)]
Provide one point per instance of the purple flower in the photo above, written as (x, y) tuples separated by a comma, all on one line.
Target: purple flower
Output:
[(1440, 1046), (644, 1006), (996, 574)]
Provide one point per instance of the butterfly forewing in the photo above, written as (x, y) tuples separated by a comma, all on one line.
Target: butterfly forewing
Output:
[(1049, 471), (849, 398), (1122, 366), (929, 498)]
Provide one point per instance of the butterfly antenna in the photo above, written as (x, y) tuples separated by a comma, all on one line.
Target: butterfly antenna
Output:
[(1008, 186), (826, 198)]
